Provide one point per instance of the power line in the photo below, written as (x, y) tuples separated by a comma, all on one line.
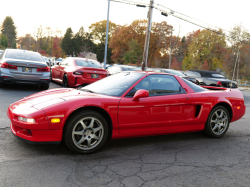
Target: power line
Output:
[(176, 16), (201, 26)]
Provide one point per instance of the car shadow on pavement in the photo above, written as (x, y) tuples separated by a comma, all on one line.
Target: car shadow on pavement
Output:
[(141, 144), (18, 87)]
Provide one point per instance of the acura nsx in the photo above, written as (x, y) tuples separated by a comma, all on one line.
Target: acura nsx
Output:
[(124, 105)]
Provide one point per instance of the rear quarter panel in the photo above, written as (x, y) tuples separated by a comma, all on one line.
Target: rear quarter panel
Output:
[(233, 97)]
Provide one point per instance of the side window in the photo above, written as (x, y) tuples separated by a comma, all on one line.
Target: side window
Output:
[(159, 85), (65, 62)]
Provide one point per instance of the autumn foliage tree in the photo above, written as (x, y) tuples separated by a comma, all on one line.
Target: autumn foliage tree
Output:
[(56, 50), (205, 46), (129, 40)]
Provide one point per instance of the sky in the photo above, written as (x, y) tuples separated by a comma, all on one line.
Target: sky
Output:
[(61, 14)]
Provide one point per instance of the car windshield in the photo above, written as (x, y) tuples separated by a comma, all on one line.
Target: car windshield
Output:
[(85, 63), (192, 74), (194, 87), (59, 59), (175, 73), (24, 55), (114, 85), (218, 76), (130, 68), (45, 58)]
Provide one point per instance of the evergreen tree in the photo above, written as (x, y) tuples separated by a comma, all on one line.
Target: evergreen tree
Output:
[(9, 30), (13, 45), (68, 42), (3, 41)]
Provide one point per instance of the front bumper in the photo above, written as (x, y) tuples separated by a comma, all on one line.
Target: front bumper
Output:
[(37, 136), (38, 132)]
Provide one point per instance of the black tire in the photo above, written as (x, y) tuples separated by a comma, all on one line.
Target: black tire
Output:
[(50, 77), (80, 136), (45, 87), (218, 122), (1, 85), (65, 81)]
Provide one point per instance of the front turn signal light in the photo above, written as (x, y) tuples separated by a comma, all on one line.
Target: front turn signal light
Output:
[(238, 107), (55, 120)]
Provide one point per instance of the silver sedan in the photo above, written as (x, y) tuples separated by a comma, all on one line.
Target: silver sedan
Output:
[(23, 67)]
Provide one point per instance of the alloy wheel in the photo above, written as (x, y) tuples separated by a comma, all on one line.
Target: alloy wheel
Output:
[(87, 133), (219, 122)]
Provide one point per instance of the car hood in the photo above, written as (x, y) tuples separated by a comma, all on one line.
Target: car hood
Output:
[(54, 96)]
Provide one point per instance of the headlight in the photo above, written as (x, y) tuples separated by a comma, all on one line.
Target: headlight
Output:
[(27, 120)]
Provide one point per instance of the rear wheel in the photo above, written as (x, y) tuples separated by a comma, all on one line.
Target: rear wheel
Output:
[(85, 132), (44, 87), (218, 122), (1, 84), (65, 81)]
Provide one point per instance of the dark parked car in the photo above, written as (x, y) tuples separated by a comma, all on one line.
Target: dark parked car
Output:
[(178, 73), (211, 78)]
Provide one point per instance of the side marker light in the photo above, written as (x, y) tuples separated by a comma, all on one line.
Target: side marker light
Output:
[(55, 120)]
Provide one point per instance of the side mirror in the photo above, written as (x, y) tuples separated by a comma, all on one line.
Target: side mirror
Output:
[(140, 94)]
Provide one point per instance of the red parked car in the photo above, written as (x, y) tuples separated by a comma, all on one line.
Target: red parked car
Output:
[(127, 104), (77, 71)]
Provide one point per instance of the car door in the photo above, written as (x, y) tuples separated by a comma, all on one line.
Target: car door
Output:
[(167, 107)]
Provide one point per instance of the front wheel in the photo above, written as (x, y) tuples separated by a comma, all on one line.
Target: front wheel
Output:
[(218, 122), (85, 132)]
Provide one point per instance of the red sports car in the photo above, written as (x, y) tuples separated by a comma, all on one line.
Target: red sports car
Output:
[(129, 104), (77, 71)]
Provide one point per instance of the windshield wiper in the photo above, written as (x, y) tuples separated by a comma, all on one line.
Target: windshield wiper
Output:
[(87, 90)]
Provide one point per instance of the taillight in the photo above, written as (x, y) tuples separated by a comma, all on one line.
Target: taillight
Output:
[(8, 66), (78, 73), (46, 69), (219, 83)]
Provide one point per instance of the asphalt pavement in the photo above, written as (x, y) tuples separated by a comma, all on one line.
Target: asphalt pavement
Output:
[(190, 159)]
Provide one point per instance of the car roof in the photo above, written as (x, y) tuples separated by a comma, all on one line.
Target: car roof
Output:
[(204, 71), (22, 50)]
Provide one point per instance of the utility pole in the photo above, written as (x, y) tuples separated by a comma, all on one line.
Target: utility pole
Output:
[(146, 45), (170, 55), (107, 31)]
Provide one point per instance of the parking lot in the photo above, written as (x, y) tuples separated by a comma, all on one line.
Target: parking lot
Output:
[(190, 159)]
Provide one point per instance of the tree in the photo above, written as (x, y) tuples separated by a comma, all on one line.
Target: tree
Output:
[(236, 56), (83, 41), (57, 50), (158, 54), (68, 42), (205, 46), (134, 54), (39, 33), (98, 32), (3, 41), (13, 45), (9, 30)]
